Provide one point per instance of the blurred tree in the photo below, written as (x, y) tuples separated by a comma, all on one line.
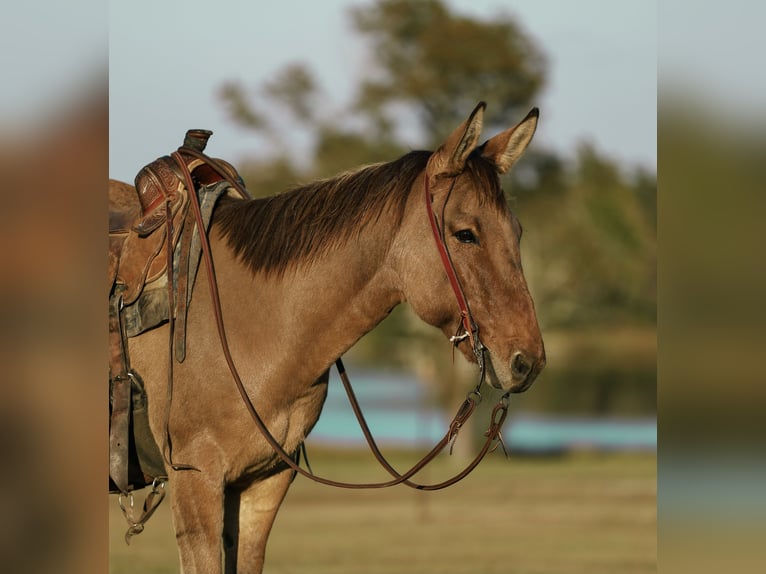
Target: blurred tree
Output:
[(439, 64), (339, 149), (590, 230), (591, 249), (235, 99), (265, 177), (427, 62), (295, 88)]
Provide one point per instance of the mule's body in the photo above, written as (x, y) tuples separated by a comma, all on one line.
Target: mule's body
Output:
[(302, 277)]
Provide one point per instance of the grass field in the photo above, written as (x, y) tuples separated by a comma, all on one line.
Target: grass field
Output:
[(578, 514)]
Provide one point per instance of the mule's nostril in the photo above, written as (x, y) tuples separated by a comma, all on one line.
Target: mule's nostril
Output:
[(520, 365)]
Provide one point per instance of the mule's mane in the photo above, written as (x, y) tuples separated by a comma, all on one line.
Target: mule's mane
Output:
[(301, 224)]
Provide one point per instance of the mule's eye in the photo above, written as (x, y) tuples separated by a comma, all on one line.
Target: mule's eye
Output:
[(466, 236)]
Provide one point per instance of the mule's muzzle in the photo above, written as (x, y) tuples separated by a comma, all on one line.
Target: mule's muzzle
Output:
[(524, 370), (517, 374), (521, 365)]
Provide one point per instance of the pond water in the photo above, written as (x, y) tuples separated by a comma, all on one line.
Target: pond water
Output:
[(399, 414)]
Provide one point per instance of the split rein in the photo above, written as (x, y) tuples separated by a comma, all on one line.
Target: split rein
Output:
[(499, 412)]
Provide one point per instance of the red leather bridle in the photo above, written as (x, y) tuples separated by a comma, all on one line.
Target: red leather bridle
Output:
[(467, 322)]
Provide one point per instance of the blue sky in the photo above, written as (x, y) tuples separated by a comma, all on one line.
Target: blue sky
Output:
[(167, 59), (601, 85)]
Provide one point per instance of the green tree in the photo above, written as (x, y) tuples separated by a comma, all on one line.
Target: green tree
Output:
[(427, 62), (590, 249), (439, 63), (287, 108), (590, 229)]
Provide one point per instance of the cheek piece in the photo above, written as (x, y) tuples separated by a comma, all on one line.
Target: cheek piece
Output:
[(468, 328)]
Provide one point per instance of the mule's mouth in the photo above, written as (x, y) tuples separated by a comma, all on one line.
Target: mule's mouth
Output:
[(504, 375), (507, 382)]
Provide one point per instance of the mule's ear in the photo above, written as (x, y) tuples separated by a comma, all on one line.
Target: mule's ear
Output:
[(506, 147), (451, 156)]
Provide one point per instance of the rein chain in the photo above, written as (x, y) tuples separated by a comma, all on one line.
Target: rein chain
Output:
[(499, 412)]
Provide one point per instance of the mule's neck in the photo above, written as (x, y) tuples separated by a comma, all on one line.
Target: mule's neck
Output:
[(341, 297), (306, 318)]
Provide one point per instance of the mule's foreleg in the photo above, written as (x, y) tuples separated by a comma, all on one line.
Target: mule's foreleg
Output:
[(197, 502), (258, 506)]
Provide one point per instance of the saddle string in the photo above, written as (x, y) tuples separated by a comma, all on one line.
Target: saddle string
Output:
[(464, 412), (167, 447)]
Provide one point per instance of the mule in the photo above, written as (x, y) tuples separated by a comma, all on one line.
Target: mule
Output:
[(302, 276)]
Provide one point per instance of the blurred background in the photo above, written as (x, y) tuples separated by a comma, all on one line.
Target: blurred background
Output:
[(298, 91), (298, 94)]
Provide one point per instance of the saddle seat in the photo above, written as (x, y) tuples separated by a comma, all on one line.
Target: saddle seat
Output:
[(137, 234), (138, 256)]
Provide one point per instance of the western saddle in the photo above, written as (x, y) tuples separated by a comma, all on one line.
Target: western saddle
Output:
[(154, 253)]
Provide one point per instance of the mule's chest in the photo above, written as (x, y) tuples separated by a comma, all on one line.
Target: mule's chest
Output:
[(290, 423), (304, 414)]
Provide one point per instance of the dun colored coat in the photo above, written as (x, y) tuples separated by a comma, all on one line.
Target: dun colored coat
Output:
[(302, 276)]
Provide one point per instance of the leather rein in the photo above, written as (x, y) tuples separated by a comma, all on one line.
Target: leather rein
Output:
[(499, 412)]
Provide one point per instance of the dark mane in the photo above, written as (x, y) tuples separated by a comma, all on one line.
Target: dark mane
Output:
[(302, 224)]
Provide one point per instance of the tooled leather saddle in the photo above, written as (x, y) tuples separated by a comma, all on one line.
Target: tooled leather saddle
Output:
[(154, 252)]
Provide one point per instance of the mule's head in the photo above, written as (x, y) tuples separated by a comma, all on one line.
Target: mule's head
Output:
[(482, 236)]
